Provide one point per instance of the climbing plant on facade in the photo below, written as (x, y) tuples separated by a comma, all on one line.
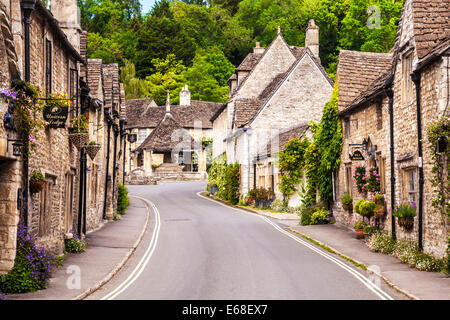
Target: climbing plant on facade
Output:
[(292, 162), (329, 145)]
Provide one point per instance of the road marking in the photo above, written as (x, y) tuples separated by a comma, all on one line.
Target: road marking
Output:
[(145, 259), (369, 284)]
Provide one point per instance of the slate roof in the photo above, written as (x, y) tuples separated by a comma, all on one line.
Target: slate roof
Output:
[(357, 70), (164, 139), (144, 113), (283, 138), (94, 76), (249, 62), (246, 111), (431, 24)]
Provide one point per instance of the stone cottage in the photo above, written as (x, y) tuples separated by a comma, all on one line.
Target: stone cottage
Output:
[(192, 117), (54, 61), (395, 110), (274, 89)]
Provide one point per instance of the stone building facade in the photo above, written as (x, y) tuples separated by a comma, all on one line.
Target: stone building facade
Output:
[(57, 64), (144, 116), (273, 90), (419, 68)]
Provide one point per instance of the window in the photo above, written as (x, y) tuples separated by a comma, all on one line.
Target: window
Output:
[(94, 184), (379, 116), (348, 179), (380, 163), (45, 207), (347, 127), (406, 77), (68, 220), (48, 66), (410, 184)]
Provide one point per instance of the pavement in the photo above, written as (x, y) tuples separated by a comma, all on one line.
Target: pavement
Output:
[(412, 282), (108, 249)]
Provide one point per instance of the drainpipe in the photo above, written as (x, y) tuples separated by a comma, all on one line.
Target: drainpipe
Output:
[(116, 134), (27, 7), (109, 122), (390, 94), (416, 76), (83, 164)]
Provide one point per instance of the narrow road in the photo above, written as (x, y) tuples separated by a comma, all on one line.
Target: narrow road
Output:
[(199, 249)]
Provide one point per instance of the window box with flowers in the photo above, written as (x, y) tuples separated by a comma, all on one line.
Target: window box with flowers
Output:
[(405, 212), (37, 182), (79, 134), (92, 149)]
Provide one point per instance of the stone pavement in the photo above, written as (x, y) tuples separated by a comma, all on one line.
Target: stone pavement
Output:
[(107, 250), (417, 284)]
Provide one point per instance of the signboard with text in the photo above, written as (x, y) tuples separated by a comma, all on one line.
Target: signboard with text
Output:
[(356, 156), (56, 116)]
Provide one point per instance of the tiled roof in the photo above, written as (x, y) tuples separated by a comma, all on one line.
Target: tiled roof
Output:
[(163, 139), (143, 113), (94, 76), (431, 24), (249, 62), (356, 70), (244, 109)]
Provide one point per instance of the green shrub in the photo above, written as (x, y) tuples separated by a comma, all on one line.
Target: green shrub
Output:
[(314, 215), (380, 242), (357, 204), (122, 200), (367, 208), (359, 225), (226, 176), (320, 216), (74, 245), (346, 199)]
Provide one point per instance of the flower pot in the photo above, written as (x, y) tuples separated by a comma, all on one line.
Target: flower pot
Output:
[(359, 233), (348, 207), (92, 150), (36, 185), (79, 139), (406, 223)]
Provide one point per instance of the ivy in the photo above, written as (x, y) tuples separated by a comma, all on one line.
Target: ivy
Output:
[(439, 131), (226, 177), (292, 162), (317, 159)]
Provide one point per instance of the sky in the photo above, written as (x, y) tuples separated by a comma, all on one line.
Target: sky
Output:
[(147, 5)]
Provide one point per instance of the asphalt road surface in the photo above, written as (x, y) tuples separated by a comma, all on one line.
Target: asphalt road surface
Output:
[(195, 248)]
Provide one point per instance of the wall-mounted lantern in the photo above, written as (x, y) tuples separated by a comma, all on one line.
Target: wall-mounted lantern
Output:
[(17, 147)]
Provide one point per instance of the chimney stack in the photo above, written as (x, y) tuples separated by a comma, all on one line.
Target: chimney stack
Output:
[(68, 15), (168, 102), (312, 37), (185, 96), (258, 49)]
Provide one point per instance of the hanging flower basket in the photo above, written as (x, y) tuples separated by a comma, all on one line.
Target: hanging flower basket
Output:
[(348, 207), (406, 223), (36, 185), (92, 150), (79, 139)]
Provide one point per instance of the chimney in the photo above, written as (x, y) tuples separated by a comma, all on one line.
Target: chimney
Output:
[(312, 37), (258, 49), (68, 15), (185, 96), (168, 102)]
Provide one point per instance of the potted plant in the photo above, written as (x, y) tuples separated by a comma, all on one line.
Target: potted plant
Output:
[(370, 228), (79, 135), (37, 182), (92, 149), (367, 208), (359, 229), (347, 202), (378, 199), (405, 212), (379, 211)]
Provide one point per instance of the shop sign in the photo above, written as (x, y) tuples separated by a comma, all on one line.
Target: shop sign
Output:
[(356, 156), (56, 116)]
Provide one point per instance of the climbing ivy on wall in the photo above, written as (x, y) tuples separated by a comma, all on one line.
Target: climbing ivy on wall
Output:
[(292, 162), (438, 132), (317, 159)]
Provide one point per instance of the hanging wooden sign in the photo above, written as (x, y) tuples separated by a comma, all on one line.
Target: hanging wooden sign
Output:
[(356, 156), (56, 116)]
